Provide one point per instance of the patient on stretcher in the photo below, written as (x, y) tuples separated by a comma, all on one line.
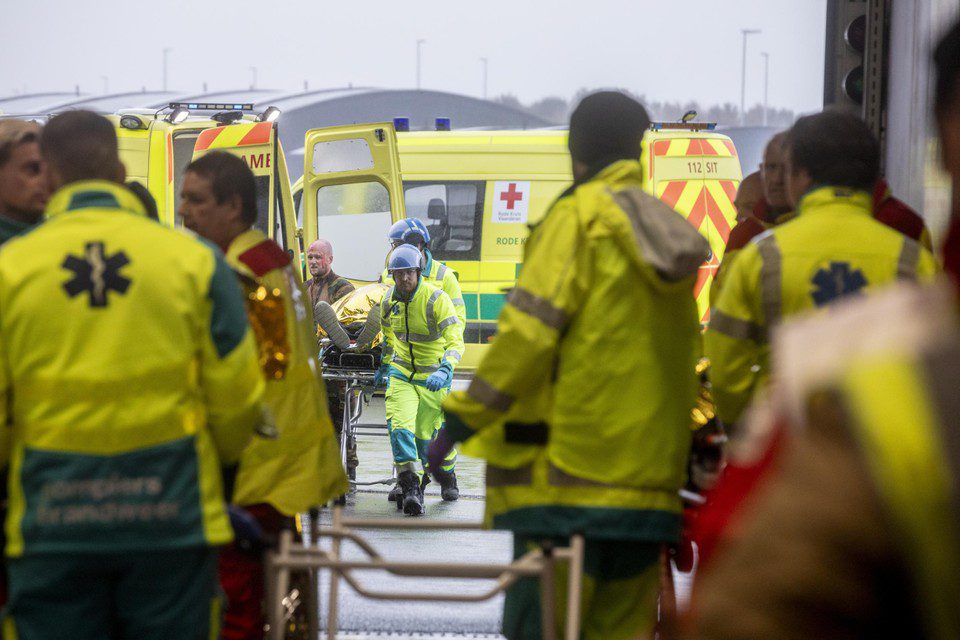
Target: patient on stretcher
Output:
[(352, 323)]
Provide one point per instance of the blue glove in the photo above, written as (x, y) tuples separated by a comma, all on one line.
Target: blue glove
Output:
[(440, 379), (247, 531), (381, 376), (437, 452)]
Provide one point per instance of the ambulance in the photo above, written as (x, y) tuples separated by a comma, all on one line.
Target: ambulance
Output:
[(479, 191), (157, 146)]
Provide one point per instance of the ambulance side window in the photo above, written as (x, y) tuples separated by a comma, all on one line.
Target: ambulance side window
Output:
[(183, 143), (453, 213), (263, 204)]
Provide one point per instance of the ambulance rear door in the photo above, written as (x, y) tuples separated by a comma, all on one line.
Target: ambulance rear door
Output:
[(352, 193), (256, 143), (698, 177)]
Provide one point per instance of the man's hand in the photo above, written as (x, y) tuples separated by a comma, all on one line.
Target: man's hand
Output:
[(437, 452), (440, 379)]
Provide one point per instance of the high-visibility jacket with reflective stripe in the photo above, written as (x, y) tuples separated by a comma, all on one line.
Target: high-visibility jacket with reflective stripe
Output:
[(904, 414), (581, 405), (442, 276), (833, 249), (301, 468), (129, 375), (421, 334)]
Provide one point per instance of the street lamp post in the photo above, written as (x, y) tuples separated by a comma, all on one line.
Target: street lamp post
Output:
[(166, 51), (766, 83), (743, 75), (419, 44), (484, 61), (253, 71)]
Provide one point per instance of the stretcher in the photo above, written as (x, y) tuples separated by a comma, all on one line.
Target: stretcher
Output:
[(350, 354)]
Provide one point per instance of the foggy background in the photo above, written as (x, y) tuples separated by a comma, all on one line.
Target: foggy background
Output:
[(665, 51)]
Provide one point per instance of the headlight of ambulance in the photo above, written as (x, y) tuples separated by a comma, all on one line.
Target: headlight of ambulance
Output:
[(178, 115), (270, 114)]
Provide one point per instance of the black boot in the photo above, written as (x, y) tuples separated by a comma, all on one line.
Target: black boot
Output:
[(394, 495), (448, 486), (412, 495)]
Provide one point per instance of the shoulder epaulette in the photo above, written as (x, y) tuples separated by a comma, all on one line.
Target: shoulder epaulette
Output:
[(265, 257)]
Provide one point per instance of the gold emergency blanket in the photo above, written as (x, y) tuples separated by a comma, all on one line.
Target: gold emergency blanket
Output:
[(355, 306), (267, 318)]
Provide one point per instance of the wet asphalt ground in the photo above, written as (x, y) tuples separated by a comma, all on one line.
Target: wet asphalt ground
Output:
[(362, 618)]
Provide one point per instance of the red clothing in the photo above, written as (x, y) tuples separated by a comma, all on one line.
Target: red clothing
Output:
[(242, 580), (897, 215)]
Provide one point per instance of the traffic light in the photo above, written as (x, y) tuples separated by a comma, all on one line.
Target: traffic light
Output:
[(846, 45)]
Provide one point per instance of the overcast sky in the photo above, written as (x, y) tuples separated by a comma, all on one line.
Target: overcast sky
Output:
[(666, 49)]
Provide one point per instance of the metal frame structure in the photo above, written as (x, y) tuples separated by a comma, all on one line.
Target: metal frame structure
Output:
[(292, 557)]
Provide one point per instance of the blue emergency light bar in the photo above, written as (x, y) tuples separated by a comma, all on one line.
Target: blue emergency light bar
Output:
[(212, 106), (401, 124), (685, 126)]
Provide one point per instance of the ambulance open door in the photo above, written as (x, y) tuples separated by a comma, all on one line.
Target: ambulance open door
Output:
[(352, 193), (257, 144)]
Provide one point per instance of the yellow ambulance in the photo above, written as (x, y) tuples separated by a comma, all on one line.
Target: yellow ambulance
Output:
[(156, 148), (478, 192)]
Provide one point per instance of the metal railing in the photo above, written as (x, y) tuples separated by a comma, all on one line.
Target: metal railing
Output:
[(292, 556)]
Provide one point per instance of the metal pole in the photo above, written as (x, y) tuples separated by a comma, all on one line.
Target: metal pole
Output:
[(166, 50), (253, 70), (332, 623), (766, 83), (419, 44), (575, 586), (743, 76), (484, 61), (548, 593), (106, 84)]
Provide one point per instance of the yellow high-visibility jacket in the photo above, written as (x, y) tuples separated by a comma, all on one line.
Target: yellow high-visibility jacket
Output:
[(442, 276), (301, 468), (581, 406), (129, 376), (834, 248), (422, 334)]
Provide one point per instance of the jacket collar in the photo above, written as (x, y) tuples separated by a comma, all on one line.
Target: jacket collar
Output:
[(828, 198), (243, 242), (610, 172), (93, 194)]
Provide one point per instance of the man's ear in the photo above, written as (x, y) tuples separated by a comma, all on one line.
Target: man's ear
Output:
[(50, 176), (121, 172), (236, 207)]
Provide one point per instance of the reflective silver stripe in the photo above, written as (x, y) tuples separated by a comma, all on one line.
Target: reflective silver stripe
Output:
[(458, 302), (488, 395), (416, 337), (736, 327), (446, 323), (453, 355), (502, 477), (537, 307), (908, 260), (441, 272), (431, 318), (385, 308), (771, 277), (559, 478), (416, 369)]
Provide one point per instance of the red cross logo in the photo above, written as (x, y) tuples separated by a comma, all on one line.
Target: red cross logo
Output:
[(511, 196)]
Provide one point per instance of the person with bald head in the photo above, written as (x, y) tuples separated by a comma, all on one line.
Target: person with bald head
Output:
[(749, 194), (324, 284)]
